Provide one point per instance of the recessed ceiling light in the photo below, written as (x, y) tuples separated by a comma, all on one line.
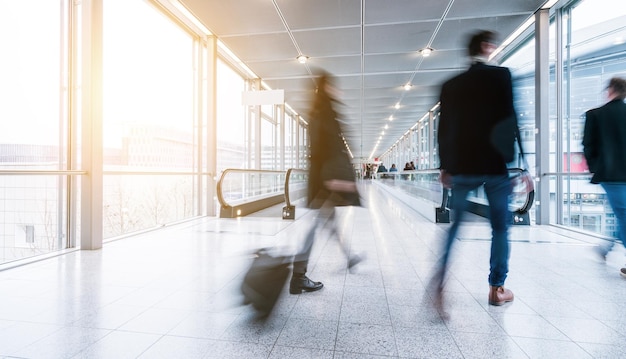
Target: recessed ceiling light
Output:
[(302, 59), (397, 106), (426, 51), (407, 87), (390, 117)]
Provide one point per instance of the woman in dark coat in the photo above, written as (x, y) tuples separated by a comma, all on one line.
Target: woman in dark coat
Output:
[(331, 180)]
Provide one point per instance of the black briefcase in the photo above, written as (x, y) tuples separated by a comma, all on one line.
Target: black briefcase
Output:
[(264, 281)]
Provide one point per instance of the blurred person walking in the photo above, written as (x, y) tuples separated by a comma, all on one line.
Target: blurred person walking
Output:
[(474, 105), (604, 144), (331, 181)]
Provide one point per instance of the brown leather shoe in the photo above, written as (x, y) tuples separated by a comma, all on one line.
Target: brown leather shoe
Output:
[(499, 295)]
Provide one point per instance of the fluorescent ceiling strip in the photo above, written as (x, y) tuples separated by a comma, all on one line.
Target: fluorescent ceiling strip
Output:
[(189, 16)]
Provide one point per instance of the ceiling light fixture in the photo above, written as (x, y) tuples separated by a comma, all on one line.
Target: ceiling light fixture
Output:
[(407, 87), (513, 36), (302, 59), (426, 51), (390, 117), (189, 16), (549, 4), (397, 106)]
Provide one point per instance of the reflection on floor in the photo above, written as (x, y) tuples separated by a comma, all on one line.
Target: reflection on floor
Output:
[(174, 293)]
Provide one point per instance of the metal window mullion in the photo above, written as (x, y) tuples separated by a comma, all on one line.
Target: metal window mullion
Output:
[(281, 137), (91, 124), (258, 121), (566, 63), (69, 68), (431, 138), (561, 101), (542, 120), (198, 120), (210, 65)]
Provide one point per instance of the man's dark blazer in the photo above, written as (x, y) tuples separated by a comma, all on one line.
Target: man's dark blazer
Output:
[(604, 142), (472, 103)]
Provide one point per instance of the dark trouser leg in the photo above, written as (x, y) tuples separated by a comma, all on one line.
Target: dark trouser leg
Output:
[(498, 190), (299, 281), (459, 205), (301, 259)]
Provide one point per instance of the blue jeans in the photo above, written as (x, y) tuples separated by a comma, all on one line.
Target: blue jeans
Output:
[(498, 188), (616, 193)]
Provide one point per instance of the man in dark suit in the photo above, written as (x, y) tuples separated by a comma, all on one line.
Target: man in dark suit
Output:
[(472, 104), (604, 145)]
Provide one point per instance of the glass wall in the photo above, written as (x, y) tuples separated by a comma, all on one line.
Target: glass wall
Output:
[(522, 66), (231, 118), (417, 145), (269, 138), (34, 127), (148, 118), (156, 114), (594, 51), (303, 151), (290, 141), (589, 51)]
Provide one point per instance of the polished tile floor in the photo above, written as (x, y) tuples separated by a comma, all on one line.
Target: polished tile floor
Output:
[(174, 293)]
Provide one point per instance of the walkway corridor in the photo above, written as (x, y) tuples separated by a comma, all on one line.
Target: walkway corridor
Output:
[(174, 293)]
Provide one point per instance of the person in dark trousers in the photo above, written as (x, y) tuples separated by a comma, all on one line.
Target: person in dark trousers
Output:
[(604, 144), (331, 181), (472, 104)]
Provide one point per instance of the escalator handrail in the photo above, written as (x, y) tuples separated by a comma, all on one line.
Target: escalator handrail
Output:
[(220, 196), (530, 195), (287, 177), (513, 172)]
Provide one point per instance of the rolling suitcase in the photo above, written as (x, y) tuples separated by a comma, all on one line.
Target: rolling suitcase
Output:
[(264, 281)]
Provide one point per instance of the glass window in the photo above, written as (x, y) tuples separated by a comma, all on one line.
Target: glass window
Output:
[(231, 119), (148, 117), (593, 53), (33, 130), (269, 154), (32, 104), (290, 141), (303, 139)]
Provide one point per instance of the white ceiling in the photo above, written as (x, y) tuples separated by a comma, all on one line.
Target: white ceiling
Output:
[(371, 46)]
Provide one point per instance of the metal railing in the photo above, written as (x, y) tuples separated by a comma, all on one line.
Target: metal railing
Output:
[(244, 191), (425, 184), (295, 188)]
